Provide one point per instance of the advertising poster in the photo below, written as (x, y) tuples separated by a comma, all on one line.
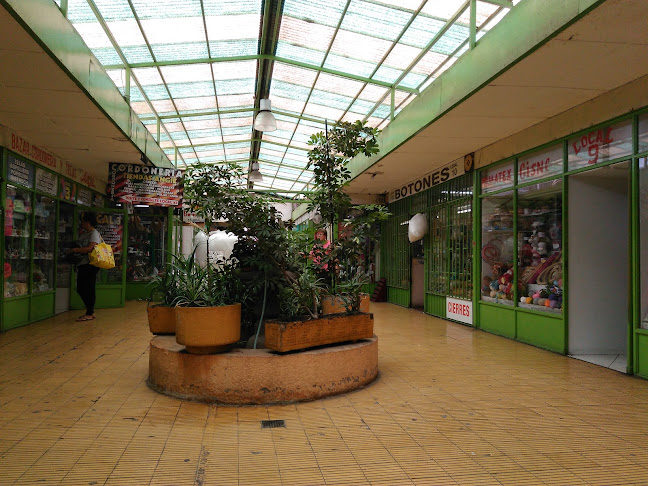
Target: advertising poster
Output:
[(84, 196), (140, 184), (46, 181), (20, 172), (67, 190), (111, 229)]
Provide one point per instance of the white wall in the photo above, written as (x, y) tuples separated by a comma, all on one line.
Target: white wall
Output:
[(598, 263), (285, 209)]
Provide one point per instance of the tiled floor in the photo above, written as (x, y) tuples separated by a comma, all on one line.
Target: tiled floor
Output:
[(452, 406)]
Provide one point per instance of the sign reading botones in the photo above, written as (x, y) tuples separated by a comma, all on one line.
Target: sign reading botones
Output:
[(140, 184), (443, 174)]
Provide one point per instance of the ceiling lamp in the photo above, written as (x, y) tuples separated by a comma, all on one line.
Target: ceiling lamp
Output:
[(265, 120), (255, 175)]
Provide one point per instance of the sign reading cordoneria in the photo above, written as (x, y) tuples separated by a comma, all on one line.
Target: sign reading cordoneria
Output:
[(431, 179), (140, 184)]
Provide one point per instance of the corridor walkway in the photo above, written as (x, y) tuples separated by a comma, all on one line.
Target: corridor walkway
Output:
[(452, 406)]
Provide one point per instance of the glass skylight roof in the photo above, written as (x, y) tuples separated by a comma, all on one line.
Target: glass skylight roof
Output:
[(190, 68)]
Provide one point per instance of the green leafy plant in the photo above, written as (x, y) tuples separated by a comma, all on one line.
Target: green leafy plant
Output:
[(350, 290), (164, 286)]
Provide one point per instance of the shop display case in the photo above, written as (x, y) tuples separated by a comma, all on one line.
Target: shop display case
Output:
[(497, 248), (17, 246), (44, 243), (147, 240), (539, 241)]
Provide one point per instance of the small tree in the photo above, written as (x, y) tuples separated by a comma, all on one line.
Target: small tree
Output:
[(330, 154)]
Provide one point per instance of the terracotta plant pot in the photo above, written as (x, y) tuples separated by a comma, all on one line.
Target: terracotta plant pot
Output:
[(289, 336), (208, 330), (333, 304), (161, 319)]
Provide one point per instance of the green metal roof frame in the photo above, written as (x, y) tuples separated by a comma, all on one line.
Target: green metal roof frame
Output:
[(171, 126)]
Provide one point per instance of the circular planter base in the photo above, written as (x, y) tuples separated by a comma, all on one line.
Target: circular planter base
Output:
[(259, 376)]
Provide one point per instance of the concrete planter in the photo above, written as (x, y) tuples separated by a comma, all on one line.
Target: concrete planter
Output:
[(333, 304), (161, 319), (289, 336), (208, 330)]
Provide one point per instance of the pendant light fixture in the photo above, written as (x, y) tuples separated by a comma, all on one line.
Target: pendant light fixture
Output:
[(265, 120), (255, 175)]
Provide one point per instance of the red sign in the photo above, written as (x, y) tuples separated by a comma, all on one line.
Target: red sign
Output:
[(497, 178)]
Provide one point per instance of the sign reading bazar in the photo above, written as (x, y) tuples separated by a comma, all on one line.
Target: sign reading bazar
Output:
[(42, 157), (459, 310), (443, 174), (140, 184)]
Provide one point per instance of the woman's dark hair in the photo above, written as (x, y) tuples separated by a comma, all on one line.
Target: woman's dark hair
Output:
[(90, 217)]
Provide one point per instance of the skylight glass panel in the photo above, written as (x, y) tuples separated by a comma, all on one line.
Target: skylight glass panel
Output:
[(173, 126), (231, 48), (293, 75), (228, 120), (306, 33), (339, 85), (187, 73), (286, 104), (326, 112), (214, 133), (331, 99), (349, 65), (484, 11), (202, 123), (229, 150), (140, 107), (306, 55), (235, 137), (235, 86), (442, 9), (373, 93), (421, 31), (93, 35), (374, 19), (240, 101), (127, 33), (79, 11), (327, 13), (451, 40), (230, 27), (360, 46), (242, 130), (175, 30), (234, 70), (147, 76)]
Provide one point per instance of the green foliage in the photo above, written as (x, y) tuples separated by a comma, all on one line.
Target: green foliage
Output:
[(349, 291), (164, 286), (301, 296)]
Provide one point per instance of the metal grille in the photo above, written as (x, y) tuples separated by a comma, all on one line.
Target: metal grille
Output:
[(271, 424), (450, 239), (395, 255)]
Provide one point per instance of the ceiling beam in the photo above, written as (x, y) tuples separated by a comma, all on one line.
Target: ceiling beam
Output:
[(262, 57)]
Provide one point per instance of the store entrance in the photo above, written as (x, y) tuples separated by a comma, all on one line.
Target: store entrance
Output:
[(599, 266), (418, 276), (65, 233)]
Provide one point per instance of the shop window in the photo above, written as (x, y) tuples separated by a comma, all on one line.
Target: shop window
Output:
[(497, 248), (437, 282), (17, 230), (44, 247), (147, 237), (643, 229), (539, 239), (643, 133), (600, 145)]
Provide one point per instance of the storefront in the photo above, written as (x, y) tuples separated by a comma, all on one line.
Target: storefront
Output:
[(561, 233), (40, 220)]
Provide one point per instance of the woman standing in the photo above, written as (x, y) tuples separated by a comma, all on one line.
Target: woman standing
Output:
[(86, 273)]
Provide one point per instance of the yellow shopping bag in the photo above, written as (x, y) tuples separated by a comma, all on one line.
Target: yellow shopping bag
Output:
[(102, 256)]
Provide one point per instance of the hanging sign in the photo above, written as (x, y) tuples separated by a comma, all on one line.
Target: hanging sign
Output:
[(497, 178), (443, 174), (459, 310), (20, 172), (605, 143), (84, 196), (46, 181), (131, 183), (67, 190), (541, 164)]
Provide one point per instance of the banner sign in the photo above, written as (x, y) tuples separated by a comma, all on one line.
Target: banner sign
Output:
[(18, 144), (84, 196), (140, 184), (459, 310), (443, 174), (46, 181), (67, 190), (98, 201), (20, 172)]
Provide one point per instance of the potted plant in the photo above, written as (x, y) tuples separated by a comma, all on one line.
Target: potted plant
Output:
[(334, 260), (161, 303), (208, 305)]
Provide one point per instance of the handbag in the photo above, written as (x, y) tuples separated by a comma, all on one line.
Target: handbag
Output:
[(102, 256)]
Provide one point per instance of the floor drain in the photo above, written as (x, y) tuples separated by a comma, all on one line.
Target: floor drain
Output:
[(271, 424)]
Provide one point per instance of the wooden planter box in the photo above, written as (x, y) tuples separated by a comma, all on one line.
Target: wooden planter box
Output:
[(289, 336), (333, 304)]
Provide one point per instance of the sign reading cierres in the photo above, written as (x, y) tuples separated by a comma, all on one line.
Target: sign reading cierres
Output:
[(459, 310), (139, 184), (450, 171)]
